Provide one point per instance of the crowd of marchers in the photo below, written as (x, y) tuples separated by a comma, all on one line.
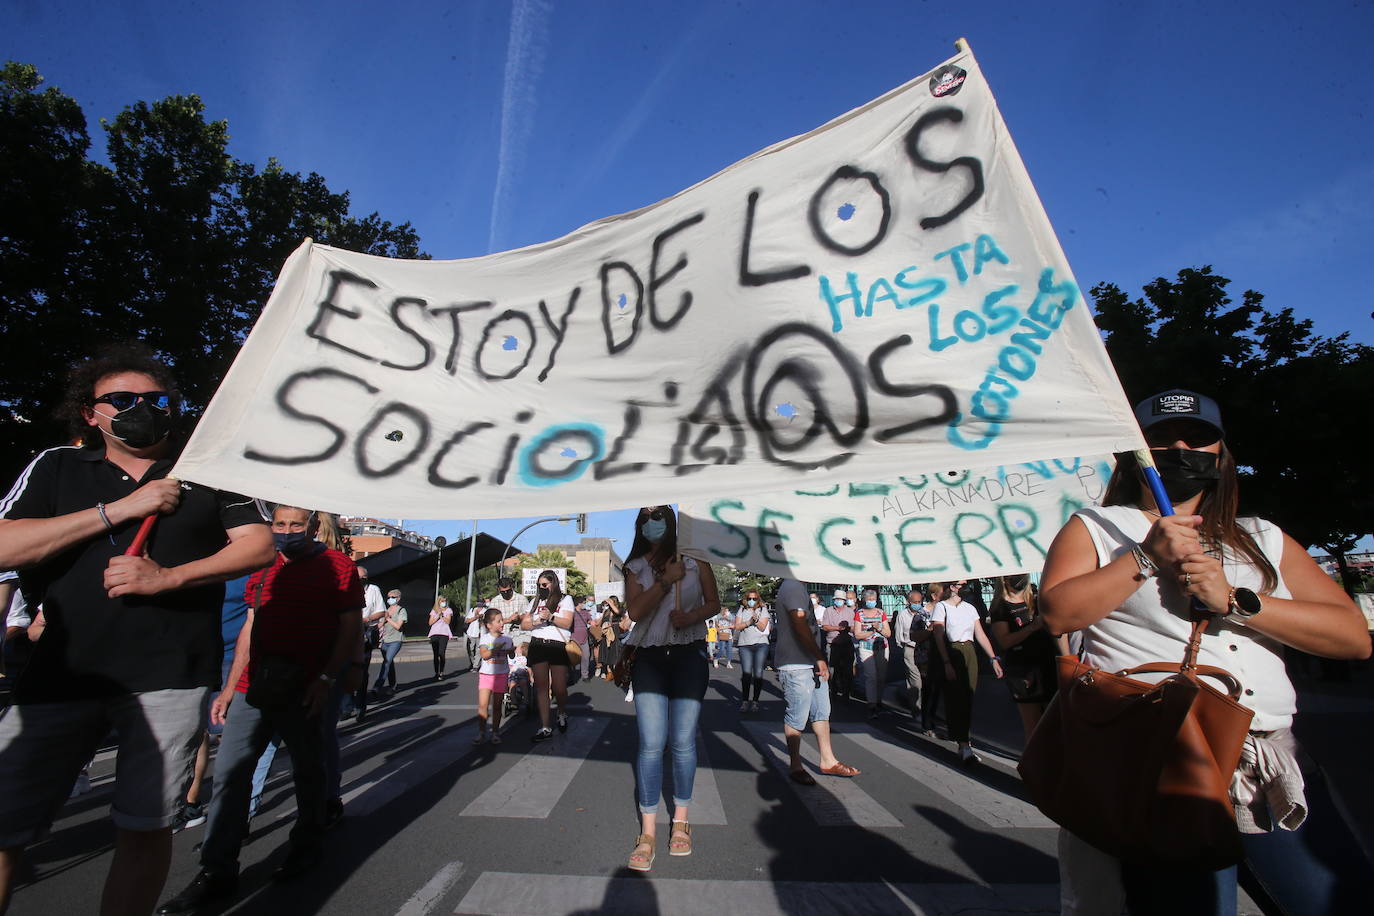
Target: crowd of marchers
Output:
[(233, 628)]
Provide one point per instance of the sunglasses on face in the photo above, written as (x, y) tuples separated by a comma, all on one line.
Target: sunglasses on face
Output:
[(1192, 434), (123, 400), (658, 514)]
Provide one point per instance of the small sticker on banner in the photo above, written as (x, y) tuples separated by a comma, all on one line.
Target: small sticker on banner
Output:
[(948, 80)]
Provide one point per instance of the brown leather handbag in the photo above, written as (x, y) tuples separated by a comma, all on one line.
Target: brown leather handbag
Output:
[(1141, 770)]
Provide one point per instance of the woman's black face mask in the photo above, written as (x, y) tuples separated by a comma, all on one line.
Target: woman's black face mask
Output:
[(1186, 472)]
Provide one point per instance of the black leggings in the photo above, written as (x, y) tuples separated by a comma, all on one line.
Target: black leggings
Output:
[(439, 644)]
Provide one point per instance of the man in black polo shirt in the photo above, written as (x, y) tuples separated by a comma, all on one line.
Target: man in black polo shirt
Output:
[(131, 643)]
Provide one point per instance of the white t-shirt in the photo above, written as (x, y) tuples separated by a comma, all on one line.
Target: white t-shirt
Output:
[(17, 614), (494, 665), (959, 620), (548, 630), (474, 619), (373, 602)]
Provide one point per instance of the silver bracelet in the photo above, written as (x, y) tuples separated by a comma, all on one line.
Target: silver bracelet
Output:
[(100, 507), (1142, 560)]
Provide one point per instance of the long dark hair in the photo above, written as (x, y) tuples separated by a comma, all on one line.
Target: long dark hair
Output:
[(666, 548), (555, 591), (1219, 508)]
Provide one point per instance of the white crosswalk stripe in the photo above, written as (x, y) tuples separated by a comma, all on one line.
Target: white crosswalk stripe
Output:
[(707, 807), (426, 898), (534, 785), (994, 808), (833, 801), (509, 894)]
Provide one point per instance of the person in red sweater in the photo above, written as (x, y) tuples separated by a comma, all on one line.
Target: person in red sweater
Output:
[(303, 627)]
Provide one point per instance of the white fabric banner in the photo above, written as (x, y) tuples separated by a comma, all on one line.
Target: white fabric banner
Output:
[(529, 580), (605, 590), (930, 527), (881, 296)]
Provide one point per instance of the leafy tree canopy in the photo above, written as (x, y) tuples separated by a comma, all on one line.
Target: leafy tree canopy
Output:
[(552, 558), (1294, 403), (174, 243)]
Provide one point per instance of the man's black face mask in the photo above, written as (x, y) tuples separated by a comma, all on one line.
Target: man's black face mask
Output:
[(141, 426)]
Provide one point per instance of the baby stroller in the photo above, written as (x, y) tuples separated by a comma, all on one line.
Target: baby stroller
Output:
[(519, 696)]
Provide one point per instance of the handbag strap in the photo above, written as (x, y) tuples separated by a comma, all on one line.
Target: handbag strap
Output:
[(1227, 678), (1194, 643)]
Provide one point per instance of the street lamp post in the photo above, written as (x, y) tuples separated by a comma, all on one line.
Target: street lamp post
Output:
[(581, 520), (439, 543)]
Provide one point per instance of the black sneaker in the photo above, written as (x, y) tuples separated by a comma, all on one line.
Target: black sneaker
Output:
[(188, 815), (204, 887), (562, 722), (298, 861)]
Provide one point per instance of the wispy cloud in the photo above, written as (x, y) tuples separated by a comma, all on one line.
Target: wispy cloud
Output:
[(525, 53)]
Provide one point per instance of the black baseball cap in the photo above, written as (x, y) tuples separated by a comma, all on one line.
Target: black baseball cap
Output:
[(1178, 404)]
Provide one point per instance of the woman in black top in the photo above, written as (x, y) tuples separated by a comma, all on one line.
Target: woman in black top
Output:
[(1028, 649)]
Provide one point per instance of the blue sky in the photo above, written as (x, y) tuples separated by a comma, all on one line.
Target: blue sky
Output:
[(1159, 135)]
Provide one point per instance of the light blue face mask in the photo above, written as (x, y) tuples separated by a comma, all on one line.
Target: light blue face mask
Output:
[(751, 602), (870, 604), (654, 529)]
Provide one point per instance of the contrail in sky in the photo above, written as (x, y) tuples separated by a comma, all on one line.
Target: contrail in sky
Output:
[(529, 32)]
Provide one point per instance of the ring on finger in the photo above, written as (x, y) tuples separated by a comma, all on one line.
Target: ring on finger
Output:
[(1188, 579)]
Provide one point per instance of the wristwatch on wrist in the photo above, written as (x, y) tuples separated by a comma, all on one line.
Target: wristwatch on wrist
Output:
[(1243, 604), (327, 679)]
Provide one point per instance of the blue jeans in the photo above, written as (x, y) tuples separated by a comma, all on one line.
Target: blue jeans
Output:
[(389, 652), (260, 772), (1316, 869), (669, 683), (248, 732), (751, 665)]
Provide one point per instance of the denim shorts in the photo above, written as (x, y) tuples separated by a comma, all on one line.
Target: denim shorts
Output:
[(43, 747), (807, 697)]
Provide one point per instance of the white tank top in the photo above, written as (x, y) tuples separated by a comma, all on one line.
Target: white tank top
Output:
[(1152, 625)]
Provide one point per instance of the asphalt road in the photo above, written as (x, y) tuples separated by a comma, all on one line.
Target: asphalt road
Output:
[(435, 825)]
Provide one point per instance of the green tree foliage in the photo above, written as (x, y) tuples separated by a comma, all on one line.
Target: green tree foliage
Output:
[(732, 583), (484, 586), (1294, 403), (552, 558), (171, 241)]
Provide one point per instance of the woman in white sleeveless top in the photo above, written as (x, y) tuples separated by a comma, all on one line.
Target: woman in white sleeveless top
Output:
[(1126, 576)]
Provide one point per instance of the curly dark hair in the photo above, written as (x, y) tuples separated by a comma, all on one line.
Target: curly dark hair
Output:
[(112, 360)]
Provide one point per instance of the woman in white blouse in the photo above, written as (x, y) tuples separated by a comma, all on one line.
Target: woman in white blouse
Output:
[(670, 598), (549, 622), (956, 629)]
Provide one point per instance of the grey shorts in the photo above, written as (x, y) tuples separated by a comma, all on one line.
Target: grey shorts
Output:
[(807, 697), (43, 747)]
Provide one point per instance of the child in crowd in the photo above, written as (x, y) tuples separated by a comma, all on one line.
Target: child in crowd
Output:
[(496, 649), (842, 662), (521, 695)]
